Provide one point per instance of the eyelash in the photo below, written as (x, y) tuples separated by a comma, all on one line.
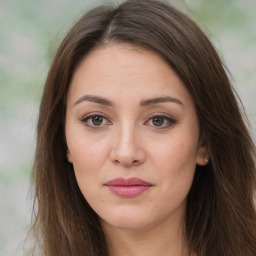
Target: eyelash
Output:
[(170, 121), (88, 118)]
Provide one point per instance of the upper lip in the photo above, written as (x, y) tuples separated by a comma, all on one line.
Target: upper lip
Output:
[(127, 182)]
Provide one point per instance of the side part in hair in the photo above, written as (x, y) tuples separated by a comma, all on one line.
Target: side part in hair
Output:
[(220, 217)]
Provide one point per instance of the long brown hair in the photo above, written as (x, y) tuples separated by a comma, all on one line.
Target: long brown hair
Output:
[(220, 215)]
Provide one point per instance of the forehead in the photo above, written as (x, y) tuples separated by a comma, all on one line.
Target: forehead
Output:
[(124, 69)]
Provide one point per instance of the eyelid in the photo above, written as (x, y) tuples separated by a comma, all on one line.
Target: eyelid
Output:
[(86, 117), (167, 117), (93, 114), (171, 121)]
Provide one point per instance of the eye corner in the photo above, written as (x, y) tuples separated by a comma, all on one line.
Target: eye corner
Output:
[(95, 120), (162, 120)]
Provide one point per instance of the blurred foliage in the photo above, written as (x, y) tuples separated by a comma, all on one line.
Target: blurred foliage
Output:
[(30, 33)]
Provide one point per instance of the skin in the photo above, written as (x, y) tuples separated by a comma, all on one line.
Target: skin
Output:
[(127, 141)]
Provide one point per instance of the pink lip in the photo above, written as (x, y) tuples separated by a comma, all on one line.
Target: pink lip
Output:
[(128, 187)]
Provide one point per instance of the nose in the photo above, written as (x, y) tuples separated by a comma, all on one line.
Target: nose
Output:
[(127, 148)]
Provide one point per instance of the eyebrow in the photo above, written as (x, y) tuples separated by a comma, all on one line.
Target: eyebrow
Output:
[(95, 99), (148, 102), (143, 103)]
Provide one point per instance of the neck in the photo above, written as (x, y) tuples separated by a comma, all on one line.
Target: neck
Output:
[(165, 240)]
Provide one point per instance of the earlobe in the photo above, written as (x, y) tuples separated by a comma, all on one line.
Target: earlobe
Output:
[(202, 154), (202, 160)]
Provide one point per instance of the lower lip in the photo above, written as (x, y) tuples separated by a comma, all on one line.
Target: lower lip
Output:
[(129, 191)]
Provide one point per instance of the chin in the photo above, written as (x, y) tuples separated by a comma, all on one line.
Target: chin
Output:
[(126, 223), (133, 221)]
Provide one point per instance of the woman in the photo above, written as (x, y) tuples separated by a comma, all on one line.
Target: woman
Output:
[(141, 146)]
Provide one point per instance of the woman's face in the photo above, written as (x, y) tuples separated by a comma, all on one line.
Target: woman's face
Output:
[(133, 137)]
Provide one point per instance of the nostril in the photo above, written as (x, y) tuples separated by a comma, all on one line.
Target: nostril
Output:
[(116, 161), (127, 155), (126, 163)]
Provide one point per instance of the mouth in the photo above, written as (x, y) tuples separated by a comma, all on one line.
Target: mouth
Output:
[(131, 187)]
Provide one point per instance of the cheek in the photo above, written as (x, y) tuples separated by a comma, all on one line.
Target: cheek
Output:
[(88, 162), (176, 152), (176, 162), (87, 157), (86, 151)]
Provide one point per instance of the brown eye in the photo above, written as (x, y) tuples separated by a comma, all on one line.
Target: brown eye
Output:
[(158, 121), (97, 120)]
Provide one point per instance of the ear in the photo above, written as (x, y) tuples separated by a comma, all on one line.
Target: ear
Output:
[(202, 153), (69, 157)]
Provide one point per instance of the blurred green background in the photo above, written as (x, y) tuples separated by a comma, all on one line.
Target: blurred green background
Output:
[(30, 31)]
